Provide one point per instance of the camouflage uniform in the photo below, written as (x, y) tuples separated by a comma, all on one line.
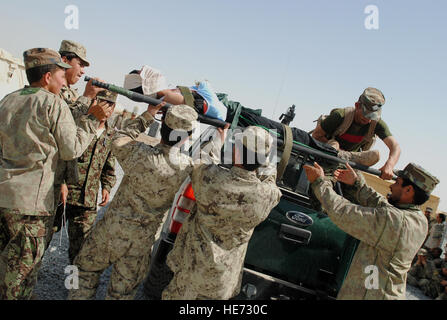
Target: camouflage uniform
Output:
[(426, 277), (443, 275), (36, 128), (124, 237), (390, 236), (96, 166), (209, 252)]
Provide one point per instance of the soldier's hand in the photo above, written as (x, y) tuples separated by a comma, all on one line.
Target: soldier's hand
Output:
[(387, 172), (105, 198), (223, 132), (101, 111), (313, 173), (347, 176), (64, 193), (90, 90), (153, 110)]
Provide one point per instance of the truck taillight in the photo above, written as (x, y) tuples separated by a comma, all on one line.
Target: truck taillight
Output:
[(182, 209)]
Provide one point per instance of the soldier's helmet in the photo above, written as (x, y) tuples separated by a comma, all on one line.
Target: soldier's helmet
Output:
[(41, 57), (76, 48), (181, 117), (420, 177), (372, 100)]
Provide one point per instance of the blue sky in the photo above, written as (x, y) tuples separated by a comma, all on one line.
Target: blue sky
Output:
[(270, 55)]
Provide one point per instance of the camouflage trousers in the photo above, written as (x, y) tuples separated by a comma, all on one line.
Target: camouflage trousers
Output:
[(22, 246), (121, 242), (80, 221)]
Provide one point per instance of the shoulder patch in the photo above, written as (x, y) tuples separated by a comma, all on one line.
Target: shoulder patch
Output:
[(30, 90)]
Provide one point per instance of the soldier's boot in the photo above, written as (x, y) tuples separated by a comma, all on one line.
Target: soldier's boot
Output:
[(366, 158)]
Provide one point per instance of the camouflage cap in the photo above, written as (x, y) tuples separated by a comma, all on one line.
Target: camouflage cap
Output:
[(107, 96), (422, 252), (372, 100), (76, 48), (256, 139), (181, 117), (420, 177), (42, 57)]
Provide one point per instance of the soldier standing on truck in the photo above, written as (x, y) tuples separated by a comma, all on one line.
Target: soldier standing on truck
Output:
[(152, 176), (354, 130), (95, 167), (208, 255), (391, 230), (36, 129)]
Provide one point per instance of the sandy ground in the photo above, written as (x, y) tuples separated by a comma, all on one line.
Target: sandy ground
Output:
[(51, 279)]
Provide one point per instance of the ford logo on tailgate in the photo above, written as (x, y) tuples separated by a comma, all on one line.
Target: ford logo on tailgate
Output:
[(299, 218)]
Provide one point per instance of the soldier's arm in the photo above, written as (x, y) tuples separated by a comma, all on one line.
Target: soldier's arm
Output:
[(359, 192), (393, 157), (210, 152), (124, 143), (72, 139), (108, 177), (364, 223)]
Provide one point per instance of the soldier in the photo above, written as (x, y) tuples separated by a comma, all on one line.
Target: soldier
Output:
[(443, 282), (36, 128), (431, 221), (436, 233), (95, 167), (391, 230), (152, 176), (75, 55), (208, 255), (354, 129), (424, 275)]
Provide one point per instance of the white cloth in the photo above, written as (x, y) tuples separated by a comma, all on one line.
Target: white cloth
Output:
[(151, 79)]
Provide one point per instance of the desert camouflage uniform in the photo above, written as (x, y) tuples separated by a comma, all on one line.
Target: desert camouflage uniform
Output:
[(95, 167), (28, 156), (209, 252), (389, 238), (124, 237)]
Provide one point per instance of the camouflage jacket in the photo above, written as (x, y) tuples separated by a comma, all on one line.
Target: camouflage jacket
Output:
[(210, 249), (36, 129), (389, 237), (152, 175), (95, 166), (75, 101)]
